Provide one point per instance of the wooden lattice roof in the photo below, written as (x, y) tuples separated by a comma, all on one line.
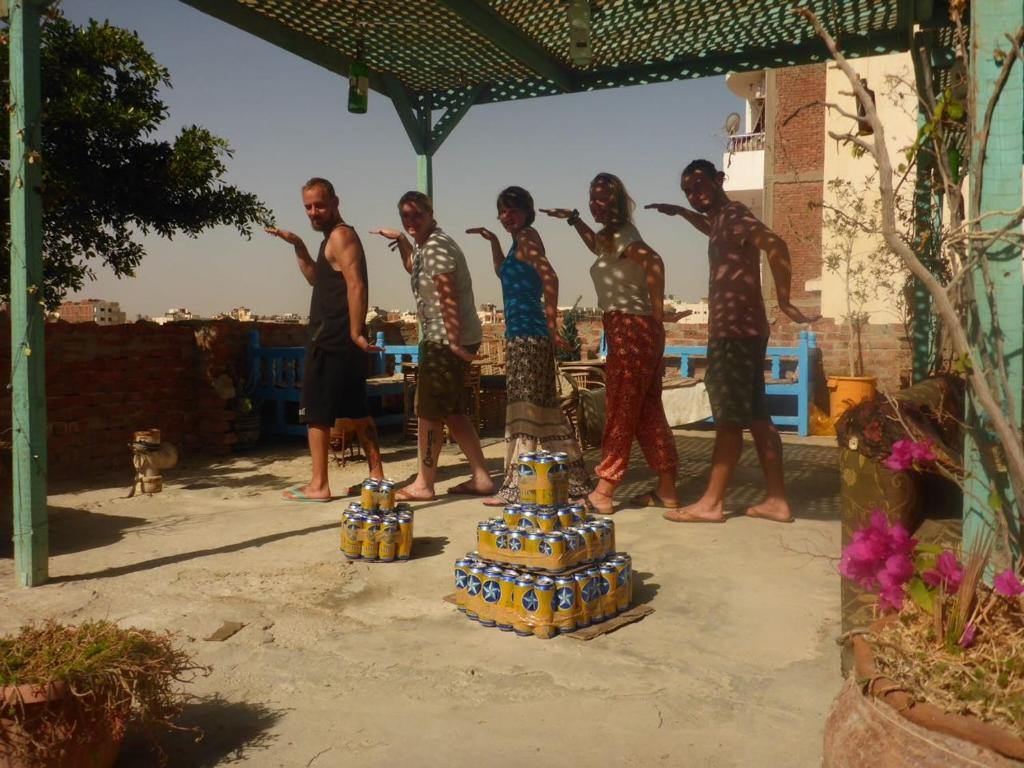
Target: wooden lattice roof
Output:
[(448, 52)]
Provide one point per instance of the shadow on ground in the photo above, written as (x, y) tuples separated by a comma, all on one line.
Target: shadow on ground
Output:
[(76, 530), (231, 731)]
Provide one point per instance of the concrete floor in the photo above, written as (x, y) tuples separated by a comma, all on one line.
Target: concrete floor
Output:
[(351, 663)]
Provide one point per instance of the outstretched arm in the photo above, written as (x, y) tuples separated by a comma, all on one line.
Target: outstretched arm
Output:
[(585, 232), (699, 220), (306, 264), (780, 263), (399, 241), (497, 257)]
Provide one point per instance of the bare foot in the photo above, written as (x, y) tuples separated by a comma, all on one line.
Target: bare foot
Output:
[(700, 512), (602, 503), (772, 509), (414, 493), (654, 499), (495, 501), (473, 487)]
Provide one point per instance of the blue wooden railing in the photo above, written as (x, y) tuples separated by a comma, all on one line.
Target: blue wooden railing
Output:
[(275, 375), (798, 392)]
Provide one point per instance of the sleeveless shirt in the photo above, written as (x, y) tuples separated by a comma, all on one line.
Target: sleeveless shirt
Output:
[(329, 324), (522, 290)]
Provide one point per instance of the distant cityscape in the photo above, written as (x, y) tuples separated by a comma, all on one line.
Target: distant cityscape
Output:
[(103, 312)]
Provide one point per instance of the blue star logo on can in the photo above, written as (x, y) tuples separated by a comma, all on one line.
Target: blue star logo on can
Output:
[(545, 548), (515, 543), (590, 590), (473, 586), (620, 577), (501, 541), (602, 585), (460, 579), (566, 597), (492, 591), (530, 601)]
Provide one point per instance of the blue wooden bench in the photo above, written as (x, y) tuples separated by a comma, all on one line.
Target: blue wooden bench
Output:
[(275, 375), (796, 392)]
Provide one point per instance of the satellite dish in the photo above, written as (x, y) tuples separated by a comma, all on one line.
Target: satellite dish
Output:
[(732, 123)]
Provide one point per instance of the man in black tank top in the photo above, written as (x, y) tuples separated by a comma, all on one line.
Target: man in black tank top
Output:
[(334, 382)]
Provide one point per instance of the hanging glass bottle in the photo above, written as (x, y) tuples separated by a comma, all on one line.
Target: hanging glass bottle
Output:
[(579, 33), (358, 83)]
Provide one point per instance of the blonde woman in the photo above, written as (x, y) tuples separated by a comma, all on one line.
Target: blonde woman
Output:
[(629, 278)]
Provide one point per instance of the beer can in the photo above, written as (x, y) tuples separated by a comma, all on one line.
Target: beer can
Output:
[(461, 578), (621, 582), (355, 506), (523, 588), (565, 604), (501, 543), (590, 539), (586, 598), (547, 520), (474, 585), (404, 551), (531, 548), (565, 517), (527, 519), (485, 538), (516, 544), (370, 528), (553, 548), (349, 535), (543, 614), (490, 593), (579, 513), (368, 495), (387, 537), (630, 575), (609, 587), (562, 476), (594, 580), (527, 478), (544, 492), (403, 506), (386, 495), (511, 515), (506, 602)]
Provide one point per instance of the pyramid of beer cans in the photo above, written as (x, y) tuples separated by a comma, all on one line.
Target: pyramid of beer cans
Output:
[(545, 567), (375, 528)]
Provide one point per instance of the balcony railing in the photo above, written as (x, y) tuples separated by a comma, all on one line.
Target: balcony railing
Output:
[(746, 142)]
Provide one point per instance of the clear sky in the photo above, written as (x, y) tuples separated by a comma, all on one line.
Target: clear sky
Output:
[(286, 120)]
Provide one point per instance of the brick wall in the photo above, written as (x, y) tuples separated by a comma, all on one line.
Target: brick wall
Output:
[(796, 164), (105, 382)]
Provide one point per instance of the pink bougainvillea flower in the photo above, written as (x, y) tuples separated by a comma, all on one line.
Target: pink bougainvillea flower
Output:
[(901, 458), (1007, 584), (879, 558), (921, 452), (967, 638), (947, 572)]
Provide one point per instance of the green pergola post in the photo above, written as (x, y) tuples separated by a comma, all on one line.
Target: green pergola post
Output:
[(1001, 191), (425, 159), (28, 358)]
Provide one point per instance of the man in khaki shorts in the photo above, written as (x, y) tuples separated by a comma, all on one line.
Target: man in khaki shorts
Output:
[(450, 335), (737, 337)]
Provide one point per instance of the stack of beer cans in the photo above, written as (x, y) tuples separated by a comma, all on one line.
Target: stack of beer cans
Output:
[(375, 528), (550, 538), (543, 478), (542, 605)]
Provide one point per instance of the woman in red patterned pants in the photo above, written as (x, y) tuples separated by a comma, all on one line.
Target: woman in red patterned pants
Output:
[(629, 278)]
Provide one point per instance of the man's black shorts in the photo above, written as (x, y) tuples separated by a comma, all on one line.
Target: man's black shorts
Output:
[(334, 386)]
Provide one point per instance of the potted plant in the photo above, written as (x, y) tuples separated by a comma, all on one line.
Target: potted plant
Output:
[(945, 660), (855, 253), (68, 693)]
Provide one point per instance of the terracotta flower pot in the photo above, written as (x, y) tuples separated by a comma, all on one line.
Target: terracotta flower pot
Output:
[(88, 743), (884, 727), (844, 392)]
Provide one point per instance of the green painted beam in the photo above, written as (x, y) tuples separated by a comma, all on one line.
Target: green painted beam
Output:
[(28, 350), (425, 174), (1001, 191), (408, 112), (245, 18), (451, 117), (480, 17)]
